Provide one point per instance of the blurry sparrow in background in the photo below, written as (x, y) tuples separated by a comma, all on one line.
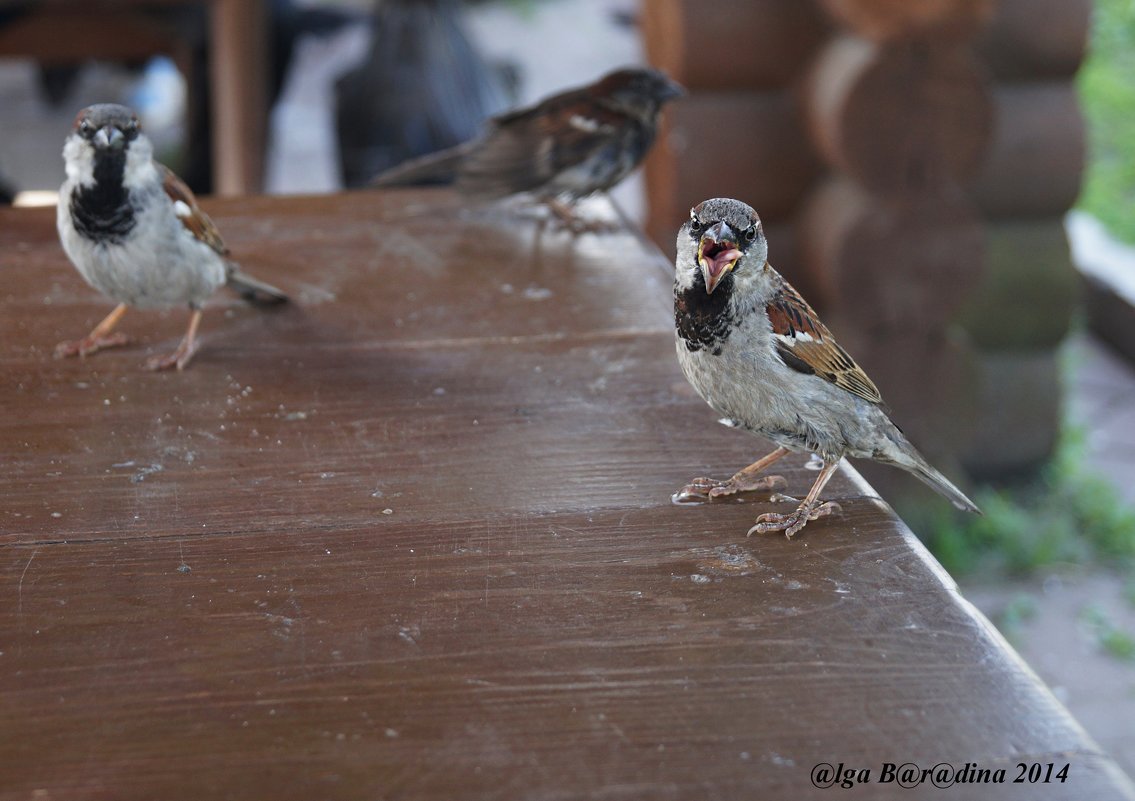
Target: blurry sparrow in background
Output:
[(560, 150)]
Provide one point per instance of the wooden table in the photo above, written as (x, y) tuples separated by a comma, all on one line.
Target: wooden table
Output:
[(411, 538)]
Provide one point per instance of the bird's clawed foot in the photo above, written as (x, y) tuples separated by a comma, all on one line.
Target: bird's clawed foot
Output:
[(794, 521), (708, 488), (90, 344), (178, 359)]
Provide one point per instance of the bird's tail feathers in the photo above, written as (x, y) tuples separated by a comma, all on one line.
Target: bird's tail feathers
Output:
[(435, 168), (253, 290), (942, 485)]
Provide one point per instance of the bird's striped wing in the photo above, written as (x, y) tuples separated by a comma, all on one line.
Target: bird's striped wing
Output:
[(185, 206), (806, 345)]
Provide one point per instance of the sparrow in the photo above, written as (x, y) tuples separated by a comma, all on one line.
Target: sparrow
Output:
[(561, 150), (756, 352), (134, 231)]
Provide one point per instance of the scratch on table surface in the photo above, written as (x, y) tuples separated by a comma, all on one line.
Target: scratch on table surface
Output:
[(20, 585)]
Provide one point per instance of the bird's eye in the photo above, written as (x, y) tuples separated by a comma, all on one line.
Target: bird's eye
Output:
[(695, 224), (750, 233), (131, 129), (86, 129)]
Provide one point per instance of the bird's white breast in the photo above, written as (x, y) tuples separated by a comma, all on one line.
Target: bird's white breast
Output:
[(157, 263), (748, 383)]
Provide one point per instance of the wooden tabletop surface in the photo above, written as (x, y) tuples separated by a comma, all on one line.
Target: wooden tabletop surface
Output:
[(411, 538)]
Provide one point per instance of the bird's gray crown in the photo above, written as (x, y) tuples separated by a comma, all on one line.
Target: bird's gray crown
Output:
[(101, 115), (737, 215)]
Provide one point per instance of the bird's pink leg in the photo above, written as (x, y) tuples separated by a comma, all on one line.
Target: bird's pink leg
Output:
[(99, 338), (809, 509), (745, 480), (180, 357)]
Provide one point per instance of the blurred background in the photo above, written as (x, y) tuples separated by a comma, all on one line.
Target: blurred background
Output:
[(950, 182)]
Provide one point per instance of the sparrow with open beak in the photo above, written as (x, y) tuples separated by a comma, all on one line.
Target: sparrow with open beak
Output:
[(760, 357), (135, 232)]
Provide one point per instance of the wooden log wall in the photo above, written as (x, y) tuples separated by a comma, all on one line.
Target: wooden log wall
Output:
[(903, 113), (913, 162), (740, 130), (1023, 306)]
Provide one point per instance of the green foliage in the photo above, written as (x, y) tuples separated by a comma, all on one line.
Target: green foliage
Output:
[(1119, 644), (1107, 92), (1067, 516), (1114, 641)]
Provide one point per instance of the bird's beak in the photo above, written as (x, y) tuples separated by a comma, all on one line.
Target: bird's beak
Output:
[(671, 91), (717, 254), (108, 137)]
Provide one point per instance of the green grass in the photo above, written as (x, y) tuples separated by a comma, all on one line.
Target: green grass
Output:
[(1067, 516), (1119, 644), (1107, 92), (1112, 640)]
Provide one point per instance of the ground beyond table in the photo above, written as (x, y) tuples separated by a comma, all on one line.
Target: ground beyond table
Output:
[(411, 538)]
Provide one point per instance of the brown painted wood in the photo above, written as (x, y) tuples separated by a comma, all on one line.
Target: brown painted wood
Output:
[(1020, 392), (887, 266), (1029, 291), (723, 44), (1110, 314), (204, 596), (890, 20), (1036, 39), (1035, 163), (71, 34), (238, 70), (747, 145), (899, 118)]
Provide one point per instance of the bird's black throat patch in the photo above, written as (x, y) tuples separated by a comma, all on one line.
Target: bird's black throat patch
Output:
[(102, 212), (704, 321)]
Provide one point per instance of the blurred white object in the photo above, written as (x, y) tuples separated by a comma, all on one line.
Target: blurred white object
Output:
[(31, 198), (1097, 253), (302, 148)]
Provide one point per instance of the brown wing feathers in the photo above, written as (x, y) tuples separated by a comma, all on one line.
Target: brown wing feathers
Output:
[(806, 345), (190, 214)]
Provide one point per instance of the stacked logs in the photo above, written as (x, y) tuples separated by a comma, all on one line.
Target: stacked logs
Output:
[(1022, 309), (890, 243), (904, 191), (740, 130)]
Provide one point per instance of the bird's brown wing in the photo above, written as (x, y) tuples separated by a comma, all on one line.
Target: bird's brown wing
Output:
[(192, 217), (522, 151), (805, 344)]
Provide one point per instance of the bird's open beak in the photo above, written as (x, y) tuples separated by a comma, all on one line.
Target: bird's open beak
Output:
[(717, 254), (108, 137)]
